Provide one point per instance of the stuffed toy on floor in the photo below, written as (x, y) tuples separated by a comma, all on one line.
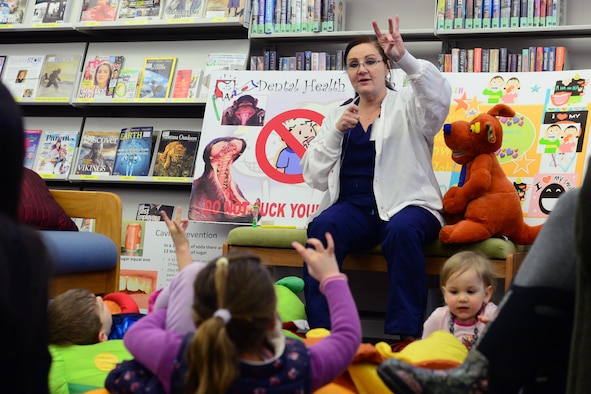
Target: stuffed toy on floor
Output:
[(485, 203), (290, 307)]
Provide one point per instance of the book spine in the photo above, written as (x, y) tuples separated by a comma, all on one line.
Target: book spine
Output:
[(524, 60), (277, 24), (530, 13), (503, 59), (261, 17), (288, 9), (307, 60), (273, 61), (515, 10), (469, 20), (330, 16), (493, 60), (505, 14), (523, 13), (296, 25), (440, 18), (495, 18), (448, 62), (546, 59), (486, 13), (450, 10), (536, 13), (284, 63), (552, 58), (306, 9), (324, 19), (463, 66), (322, 60), (512, 62), (340, 15), (485, 60), (477, 60), (455, 60), (340, 59), (470, 60), (317, 21), (477, 22), (283, 16), (269, 16), (300, 61), (560, 58), (460, 14), (441, 62), (539, 64), (254, 16), (314, 66), (542, 21)]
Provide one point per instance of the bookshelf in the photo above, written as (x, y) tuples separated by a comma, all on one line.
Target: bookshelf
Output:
[(190, 39)]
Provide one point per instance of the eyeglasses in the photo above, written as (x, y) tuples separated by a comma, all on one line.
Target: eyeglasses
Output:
[(368, 64)]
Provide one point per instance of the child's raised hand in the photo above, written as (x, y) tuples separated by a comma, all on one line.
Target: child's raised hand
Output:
[(321, 261), (177, 228)]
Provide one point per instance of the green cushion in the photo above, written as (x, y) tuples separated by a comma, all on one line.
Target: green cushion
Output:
[(494, 248)]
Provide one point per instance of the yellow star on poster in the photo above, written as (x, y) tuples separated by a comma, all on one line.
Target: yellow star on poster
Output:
[(462, 102), (474, 104), (522, 164)]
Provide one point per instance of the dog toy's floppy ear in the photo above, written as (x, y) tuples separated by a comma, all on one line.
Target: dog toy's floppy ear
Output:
[(501, 110)]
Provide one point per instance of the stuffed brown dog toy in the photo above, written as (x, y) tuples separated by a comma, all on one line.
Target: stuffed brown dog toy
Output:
[(486, 204)]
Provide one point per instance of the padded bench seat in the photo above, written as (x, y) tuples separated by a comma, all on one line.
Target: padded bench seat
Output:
[(273, 245)]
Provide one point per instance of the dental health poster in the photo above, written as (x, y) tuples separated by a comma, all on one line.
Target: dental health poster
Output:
[(257, 126)]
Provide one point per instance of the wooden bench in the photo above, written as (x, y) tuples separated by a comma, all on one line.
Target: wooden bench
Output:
[(106, 208), (273, 245)]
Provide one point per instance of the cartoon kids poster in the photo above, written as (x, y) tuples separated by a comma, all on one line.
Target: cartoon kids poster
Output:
[(544, 140)]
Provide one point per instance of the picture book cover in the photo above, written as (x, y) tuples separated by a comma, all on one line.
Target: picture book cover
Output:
[(224, 9), (139, 9), (150, 212), (99, 10), (21, 75), (59, 75), (12, 12), (32, 137), (187, 83), (175, 154), (134, 152), (156, 77), (51, 11), (100, 76), (127, 84), (55, 153), (96, 154), (177, 9)]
